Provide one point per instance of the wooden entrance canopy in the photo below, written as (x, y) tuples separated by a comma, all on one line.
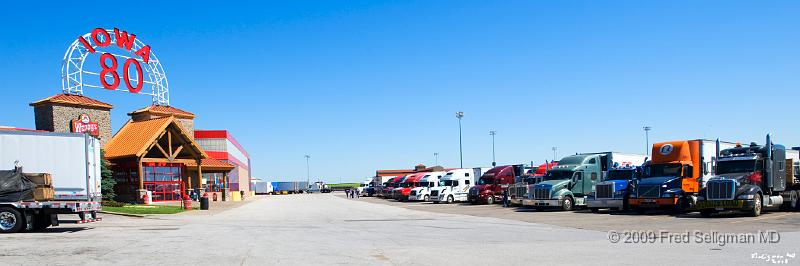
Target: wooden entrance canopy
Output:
[(160, 140)]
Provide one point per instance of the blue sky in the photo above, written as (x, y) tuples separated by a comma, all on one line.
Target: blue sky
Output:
[(366, 85)]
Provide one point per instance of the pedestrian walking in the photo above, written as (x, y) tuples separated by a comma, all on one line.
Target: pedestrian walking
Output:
[(357, 194), (505, 198)]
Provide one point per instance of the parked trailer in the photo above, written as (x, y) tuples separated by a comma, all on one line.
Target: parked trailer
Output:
[(73, 161), (294, 187), (263, 188)]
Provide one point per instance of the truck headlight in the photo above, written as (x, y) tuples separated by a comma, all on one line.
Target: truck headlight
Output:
[(746, 197), (619, 193)]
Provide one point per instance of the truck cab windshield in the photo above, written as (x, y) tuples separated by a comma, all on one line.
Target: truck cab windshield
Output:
[(672, 169), (737, 166), (558, 175), (485, 181), (620, 174)]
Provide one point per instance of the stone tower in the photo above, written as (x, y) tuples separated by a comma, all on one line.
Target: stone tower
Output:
[(184, 118), (61, 112)]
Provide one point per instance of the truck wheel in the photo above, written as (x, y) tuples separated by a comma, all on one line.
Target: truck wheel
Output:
[(426, 198), (450, 199), (594, 210), (756, 211), (567, 204), (11, 220), (490, 200), (706, 213)]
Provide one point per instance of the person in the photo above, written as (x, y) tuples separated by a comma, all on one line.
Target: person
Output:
[(505, 198), (347, 192), (356, 194)]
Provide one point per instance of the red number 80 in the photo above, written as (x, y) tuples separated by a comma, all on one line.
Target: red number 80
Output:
[(113, 71)]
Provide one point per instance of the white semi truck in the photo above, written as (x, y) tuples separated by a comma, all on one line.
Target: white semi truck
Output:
[(423, 190), (73, 161), (455, 184)]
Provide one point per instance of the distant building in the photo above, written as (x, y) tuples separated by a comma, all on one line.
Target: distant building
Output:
[(221, 145)]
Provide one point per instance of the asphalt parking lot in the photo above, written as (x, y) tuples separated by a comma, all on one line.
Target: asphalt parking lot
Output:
[(605, 220), (330, 230)]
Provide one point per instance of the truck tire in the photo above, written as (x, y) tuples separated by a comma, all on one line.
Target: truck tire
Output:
[(756, 211), (706, 213), (11, 220), (567, 204), (450, 199), (426, 198), (791, 204), (490, 200)]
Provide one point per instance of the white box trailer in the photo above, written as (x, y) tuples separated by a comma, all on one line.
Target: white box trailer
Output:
[(73, 161)]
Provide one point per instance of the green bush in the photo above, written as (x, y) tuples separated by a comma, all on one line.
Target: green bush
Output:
[(111, 203)]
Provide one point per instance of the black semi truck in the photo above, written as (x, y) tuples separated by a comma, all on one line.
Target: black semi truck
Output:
[(751, 179)]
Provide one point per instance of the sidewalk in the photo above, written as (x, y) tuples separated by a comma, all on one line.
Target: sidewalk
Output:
[(214, 207)]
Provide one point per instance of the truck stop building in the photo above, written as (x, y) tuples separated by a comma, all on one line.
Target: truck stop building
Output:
[(222, 146)]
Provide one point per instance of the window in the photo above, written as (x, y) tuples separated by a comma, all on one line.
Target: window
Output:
[(467, 174), (780, 166), (466, 182), (455, 182), (578, 176), (594, 176), (592, 161)]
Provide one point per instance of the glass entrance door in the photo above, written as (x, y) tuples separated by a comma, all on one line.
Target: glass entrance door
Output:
[(163, 180)]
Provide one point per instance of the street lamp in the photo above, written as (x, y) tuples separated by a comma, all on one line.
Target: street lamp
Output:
[(647, 139), (460, 115), (493, 133), (308, 170), (554, 153), (436, 158)]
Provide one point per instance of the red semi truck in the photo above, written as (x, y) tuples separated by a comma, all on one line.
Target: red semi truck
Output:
[(404, 190), (489, 188)]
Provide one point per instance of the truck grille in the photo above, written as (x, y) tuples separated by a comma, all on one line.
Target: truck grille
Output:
[(649, 191), (413, 193), (435, 193), (604, 191), (720, 190), (541, 193), (521, 191)]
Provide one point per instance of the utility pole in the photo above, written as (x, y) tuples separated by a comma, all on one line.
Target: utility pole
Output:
[(460, 115), (493, 133), (647, 139), (554, 153), (308, 170), (436, 158)]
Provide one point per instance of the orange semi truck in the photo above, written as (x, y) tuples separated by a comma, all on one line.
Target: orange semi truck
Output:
[(678, 171)]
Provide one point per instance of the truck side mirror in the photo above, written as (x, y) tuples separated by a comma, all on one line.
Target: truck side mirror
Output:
[(687, 171)]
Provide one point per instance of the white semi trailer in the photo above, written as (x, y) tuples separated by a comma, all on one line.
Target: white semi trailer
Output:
[(73, 161)]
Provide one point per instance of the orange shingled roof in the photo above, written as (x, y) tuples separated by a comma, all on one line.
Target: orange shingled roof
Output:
[(212, 163), (72, 99), (134, 138), (164, 110)]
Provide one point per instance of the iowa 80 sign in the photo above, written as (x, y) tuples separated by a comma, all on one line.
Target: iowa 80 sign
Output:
[(113, 59)]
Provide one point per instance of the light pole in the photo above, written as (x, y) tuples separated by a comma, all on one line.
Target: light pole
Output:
[(493, 133), (554, 153), (308, 170), (436, 158), (647, 139), (460, 115)]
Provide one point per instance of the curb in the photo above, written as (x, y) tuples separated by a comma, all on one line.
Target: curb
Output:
[(124, 214)]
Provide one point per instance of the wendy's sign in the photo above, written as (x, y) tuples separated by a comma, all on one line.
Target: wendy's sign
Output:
[(84, 124), (117, 60)]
